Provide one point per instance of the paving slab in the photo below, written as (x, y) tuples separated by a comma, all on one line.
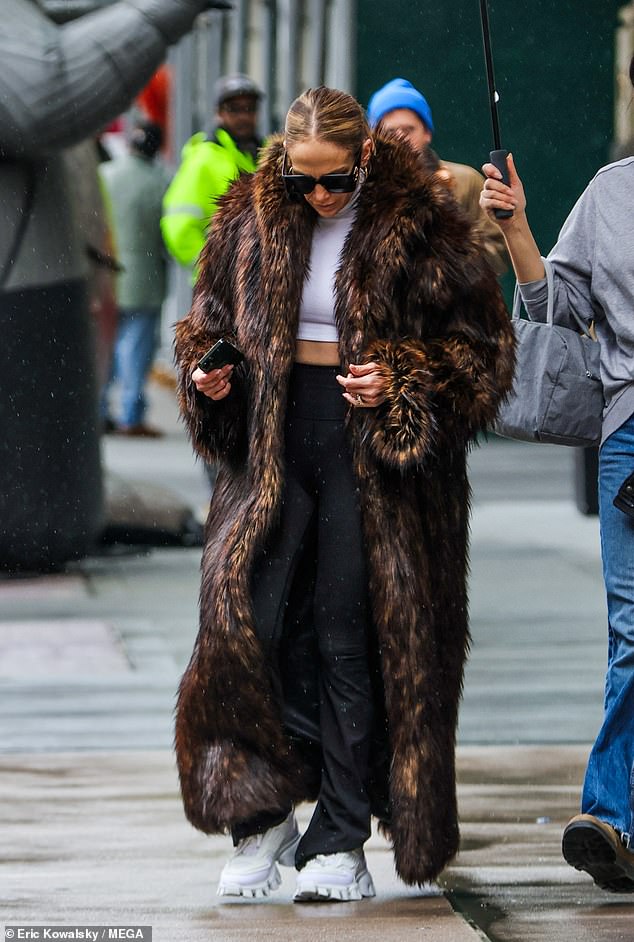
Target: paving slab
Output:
[(101, 840), (509, 877), (60, 646)]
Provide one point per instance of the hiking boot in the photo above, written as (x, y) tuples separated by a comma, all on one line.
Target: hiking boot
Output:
[(342, 876), (252, 868), (595, 847)]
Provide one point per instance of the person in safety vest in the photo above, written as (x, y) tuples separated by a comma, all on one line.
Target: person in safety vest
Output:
[(208, 166)]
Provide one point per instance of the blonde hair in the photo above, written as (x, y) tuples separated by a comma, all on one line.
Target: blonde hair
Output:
[(327, 114)]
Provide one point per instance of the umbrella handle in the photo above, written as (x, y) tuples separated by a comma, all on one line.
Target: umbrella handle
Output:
[(498, 159)]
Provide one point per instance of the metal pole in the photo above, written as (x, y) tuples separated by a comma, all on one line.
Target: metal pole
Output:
[(316, 58), (181, 91), (213, 38), (340, 45), (242, 15), (180, 60), (488, 59), (498, 155), (287, 51), (269, 57), (623, 144)]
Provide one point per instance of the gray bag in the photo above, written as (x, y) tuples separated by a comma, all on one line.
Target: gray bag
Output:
[(557, 395)]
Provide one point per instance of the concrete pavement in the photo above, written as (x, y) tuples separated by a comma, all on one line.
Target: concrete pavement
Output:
[(90, 817)]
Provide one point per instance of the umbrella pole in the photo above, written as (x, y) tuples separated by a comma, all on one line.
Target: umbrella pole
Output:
[(498, 155)]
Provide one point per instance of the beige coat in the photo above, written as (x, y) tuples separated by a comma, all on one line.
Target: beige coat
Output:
[(466, 187)]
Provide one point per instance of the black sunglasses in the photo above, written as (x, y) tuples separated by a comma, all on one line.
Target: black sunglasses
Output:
[(302, 184), (231, 107)]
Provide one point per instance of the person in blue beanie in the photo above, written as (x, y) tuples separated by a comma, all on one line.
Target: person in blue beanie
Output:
[(401, 108)]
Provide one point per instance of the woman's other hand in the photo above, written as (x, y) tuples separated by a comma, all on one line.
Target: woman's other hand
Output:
[(364, 385), (497, 195), (216, 384)]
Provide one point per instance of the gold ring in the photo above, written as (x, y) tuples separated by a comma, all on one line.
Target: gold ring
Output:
[(359, 398)]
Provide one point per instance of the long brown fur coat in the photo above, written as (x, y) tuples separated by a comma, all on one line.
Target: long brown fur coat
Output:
[(413, 293)]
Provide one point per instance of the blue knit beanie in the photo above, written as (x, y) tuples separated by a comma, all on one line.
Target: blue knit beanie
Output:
[(399, 93)]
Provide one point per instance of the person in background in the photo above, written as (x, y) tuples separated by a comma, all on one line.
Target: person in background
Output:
[(593, 265), (135, 185), (333, 609), (94, 227), (401, 108), (208, 166), (153, 101), (60, 84)]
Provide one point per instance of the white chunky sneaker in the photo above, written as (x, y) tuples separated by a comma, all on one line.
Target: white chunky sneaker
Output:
[(252, 868), (342, 876)]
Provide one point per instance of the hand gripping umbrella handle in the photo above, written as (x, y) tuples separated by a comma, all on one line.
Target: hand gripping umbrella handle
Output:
[(498, 159)]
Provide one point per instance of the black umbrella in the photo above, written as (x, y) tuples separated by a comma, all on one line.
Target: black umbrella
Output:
[(499, 154)]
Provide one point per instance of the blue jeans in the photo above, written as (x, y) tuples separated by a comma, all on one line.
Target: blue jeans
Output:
[(135, 346), (608, 791)]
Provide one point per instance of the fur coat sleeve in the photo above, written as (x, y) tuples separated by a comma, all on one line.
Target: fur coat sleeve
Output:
[(433, 319), (445, 384), (217, 429)]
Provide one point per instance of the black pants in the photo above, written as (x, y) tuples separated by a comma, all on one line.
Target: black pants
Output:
[(311, 609)]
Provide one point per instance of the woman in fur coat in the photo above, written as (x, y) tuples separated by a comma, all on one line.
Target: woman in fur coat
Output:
[(333, 607)]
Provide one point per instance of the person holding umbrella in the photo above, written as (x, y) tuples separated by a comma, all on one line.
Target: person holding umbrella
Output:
[(593, 263)]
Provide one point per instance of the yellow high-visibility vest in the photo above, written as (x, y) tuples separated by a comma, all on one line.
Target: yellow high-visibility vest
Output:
[(206, 171)]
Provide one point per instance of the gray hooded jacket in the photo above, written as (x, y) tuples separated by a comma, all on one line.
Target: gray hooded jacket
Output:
[(593, 264)]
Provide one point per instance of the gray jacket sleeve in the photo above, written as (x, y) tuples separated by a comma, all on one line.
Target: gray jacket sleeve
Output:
[(572, 259), (59, 84)]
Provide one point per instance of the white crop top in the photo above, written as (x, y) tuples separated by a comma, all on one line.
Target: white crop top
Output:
[(317, 309)]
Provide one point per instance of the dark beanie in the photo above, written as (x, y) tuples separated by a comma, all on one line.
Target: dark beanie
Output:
[(146, 138)]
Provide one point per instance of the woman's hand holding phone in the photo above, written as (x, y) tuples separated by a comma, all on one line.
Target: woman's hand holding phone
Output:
[(215, 385), (211, 376)]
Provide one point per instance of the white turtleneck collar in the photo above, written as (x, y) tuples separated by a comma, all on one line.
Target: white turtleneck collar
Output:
[(317, 310)]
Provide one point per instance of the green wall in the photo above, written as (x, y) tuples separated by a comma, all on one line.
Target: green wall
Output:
[(554, 67)]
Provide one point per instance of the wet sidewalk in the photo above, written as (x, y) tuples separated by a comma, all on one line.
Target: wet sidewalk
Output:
[(99, 839), (92, 826)]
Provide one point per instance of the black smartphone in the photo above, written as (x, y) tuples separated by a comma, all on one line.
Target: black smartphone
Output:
[(220, 355), (624, 500)]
